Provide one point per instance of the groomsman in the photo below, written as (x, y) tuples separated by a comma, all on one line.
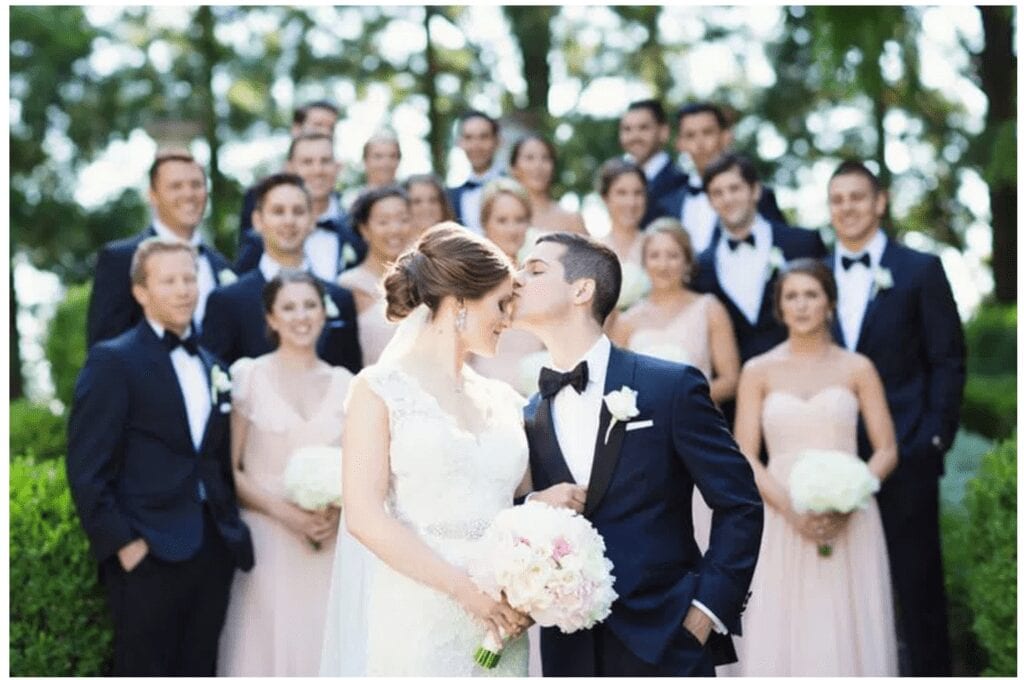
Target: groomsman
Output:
[(896, 307), (316, 117), (177, 194), (479, 136), (150, 473), (745, 254), (703, 134), (643, 133), (236, 319), (333, 246)]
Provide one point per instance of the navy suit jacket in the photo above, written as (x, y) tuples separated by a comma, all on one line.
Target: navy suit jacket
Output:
[(639, 499), (132, 467), (112, 308), (671, 204), (767, 332), (913, 336), (250, 243), (235, 325), (668, 180)]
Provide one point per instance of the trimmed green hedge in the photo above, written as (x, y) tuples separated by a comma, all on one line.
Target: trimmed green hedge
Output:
[(990, 405), (992, 584), (990, 396), (36, 431), (65, 340), (58, 615)]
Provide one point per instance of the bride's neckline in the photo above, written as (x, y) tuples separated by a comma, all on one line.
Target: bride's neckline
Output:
[(468, 382)]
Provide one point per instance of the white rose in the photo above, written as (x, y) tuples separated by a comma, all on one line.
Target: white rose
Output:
[(622, 404), (226, 277)]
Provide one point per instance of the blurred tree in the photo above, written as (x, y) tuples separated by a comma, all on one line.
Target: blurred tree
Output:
[(531, 29)]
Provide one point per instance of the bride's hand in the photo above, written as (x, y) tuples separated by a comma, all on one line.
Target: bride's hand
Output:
[(500, 618)]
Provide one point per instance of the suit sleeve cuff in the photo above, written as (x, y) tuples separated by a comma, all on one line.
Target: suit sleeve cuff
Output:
[(716, 622)]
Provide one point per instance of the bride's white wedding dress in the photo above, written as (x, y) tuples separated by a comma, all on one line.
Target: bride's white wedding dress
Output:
[(447, 485)]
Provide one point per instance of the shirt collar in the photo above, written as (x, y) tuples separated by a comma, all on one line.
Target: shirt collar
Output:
[(270, 267), (333, 208), (163, 231), (597, 358), (655, 164), (760, 228), (159, 329), (875, 248), (491, 173)]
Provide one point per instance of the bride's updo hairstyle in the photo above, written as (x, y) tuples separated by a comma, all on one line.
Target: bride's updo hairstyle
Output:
[(447, 260)]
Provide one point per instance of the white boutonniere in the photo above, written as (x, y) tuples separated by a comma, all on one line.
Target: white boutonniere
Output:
[(220, 384), (883, 280), (622, 405), (330, 308), (776, 261), (226, 277), (348, 254)]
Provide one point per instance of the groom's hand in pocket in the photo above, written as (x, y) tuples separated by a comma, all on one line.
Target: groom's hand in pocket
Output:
[(130, 554), (698, 624), (564, 495)]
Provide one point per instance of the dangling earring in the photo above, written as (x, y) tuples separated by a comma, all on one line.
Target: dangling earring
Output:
[(460, 319)]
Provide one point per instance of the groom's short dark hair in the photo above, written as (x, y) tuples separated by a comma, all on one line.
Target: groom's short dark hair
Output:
[(585, 258)]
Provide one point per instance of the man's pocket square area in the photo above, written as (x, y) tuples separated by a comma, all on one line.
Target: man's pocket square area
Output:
[(639, 425)]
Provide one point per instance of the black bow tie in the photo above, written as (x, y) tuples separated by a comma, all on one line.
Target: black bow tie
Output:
[(472, 184), (694, 191), (552, 382), (172, 342), (326, 223), (735, 243), (848, 262)]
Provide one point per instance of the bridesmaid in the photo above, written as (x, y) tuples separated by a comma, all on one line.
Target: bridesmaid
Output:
[(428, 203), (381, 218), (532, 164), (623, 187), (283, 400), (505, 212), (808, 614)]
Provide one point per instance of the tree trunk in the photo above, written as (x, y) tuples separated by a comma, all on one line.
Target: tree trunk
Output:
[(209, 51), (531, 28), (436, 135), (17, 380), (998, 70)]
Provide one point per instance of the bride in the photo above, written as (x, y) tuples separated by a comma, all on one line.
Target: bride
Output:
[(433, 452)]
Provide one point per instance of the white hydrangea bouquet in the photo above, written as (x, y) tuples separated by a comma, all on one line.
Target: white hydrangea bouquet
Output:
[(830, 481), (312, 478), (635, 285), (550, 564)]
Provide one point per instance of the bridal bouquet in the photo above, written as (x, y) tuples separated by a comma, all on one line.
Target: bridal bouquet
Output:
[(830, 481), (550, 564), (312, 478), (635, 285)]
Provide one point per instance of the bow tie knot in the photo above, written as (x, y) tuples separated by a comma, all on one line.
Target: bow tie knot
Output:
[(172, 341), (552, 382), (735, 243), (694, 190), (847, 262)]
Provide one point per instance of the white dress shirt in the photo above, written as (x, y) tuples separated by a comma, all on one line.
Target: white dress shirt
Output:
[(270, 267), (470, 200), (854, 286), (697, 216), (321, 247), (743, 271), (577, 418), (654, 165), (204, 276), (195, 388)]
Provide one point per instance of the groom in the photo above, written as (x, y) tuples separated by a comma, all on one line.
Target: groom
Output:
[(633, 476)]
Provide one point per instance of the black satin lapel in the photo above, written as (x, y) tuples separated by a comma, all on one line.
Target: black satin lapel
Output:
[(214, 407), (549, 451), (606, 455)]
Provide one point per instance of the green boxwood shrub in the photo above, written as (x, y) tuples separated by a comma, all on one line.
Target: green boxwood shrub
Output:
[(990, 405), (65, 340), (992, 340), (59, 624), (36, 431)]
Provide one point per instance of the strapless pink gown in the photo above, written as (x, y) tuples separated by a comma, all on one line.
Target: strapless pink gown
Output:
[(810, 615), (375, 330)]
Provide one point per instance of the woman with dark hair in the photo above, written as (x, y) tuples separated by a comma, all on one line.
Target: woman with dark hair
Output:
[(432, 453), (428, 202), (532, 164), (815, 611), (282, 401), (381, 218)]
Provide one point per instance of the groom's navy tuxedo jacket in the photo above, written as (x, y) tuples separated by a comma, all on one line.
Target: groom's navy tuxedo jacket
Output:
[(639, 499), (235, 325), (112, 308), (767, 331), (132, 467)]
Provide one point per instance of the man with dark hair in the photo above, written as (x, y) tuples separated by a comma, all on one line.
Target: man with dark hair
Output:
[(896, 307), (177, 194), (643, 133), (479, 137), (704, 134), (657, 435), (237, 324), (149, 468), (333, 246), (746, 251)]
